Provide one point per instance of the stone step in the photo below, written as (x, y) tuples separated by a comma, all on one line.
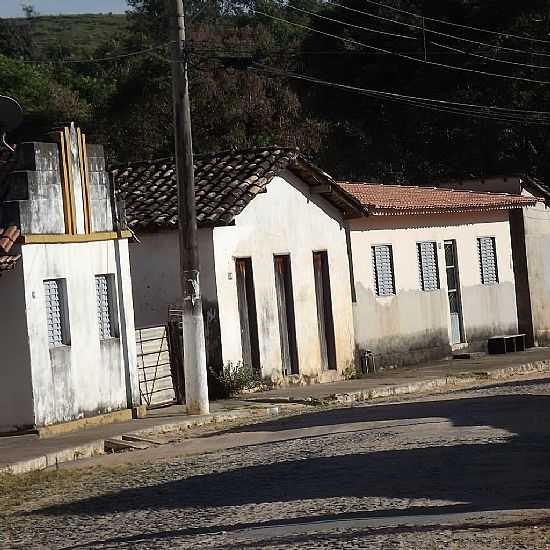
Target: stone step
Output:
[(115, 445), (141, 439)]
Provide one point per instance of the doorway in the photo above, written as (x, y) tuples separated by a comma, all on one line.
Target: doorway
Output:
[(453, 290), (285, 307), (247, 313), (325, 321)]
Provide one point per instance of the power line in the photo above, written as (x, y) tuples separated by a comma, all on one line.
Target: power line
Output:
[(439, 33), (498, 114), (456, 50), (458, 25), (99, 59), (402, 55), (369, 29)]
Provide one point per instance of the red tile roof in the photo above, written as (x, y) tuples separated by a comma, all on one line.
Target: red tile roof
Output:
[(8, 237), (400, 199)]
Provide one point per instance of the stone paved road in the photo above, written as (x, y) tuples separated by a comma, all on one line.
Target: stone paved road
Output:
[(465, 470)]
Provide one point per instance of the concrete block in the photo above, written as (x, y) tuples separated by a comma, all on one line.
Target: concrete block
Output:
[(119, 446)]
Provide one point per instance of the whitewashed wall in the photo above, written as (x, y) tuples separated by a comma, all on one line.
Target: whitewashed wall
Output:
[(90, 376), (155, 274), (414, 325), (286, 219), (16, 401)]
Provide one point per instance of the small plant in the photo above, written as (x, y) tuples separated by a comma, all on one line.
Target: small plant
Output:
[(235, 378), (351, 372)]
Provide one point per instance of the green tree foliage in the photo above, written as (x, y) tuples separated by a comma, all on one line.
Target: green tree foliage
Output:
[(125, 103)]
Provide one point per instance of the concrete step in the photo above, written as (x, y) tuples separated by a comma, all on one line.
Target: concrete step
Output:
[(115, 445), (140, 439)]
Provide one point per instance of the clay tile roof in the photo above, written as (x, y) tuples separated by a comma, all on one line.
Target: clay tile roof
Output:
[(8, 237), (399, 199), (225, 183)]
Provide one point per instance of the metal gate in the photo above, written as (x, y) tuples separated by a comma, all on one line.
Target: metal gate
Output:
[(153, 360)]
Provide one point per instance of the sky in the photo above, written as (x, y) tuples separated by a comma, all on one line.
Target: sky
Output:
[(12, 8)]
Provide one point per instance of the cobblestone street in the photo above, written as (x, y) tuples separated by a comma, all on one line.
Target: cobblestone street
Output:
[(465, 469)]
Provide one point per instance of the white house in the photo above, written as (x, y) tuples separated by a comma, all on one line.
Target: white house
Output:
[(67, 323), (302, 276), (274, 259), (530, 229), (433, 270)]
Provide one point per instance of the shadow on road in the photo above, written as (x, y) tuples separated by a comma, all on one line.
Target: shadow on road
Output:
[(487, 476)]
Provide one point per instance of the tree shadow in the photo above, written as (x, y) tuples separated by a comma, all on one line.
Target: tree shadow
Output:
[(486, 476)]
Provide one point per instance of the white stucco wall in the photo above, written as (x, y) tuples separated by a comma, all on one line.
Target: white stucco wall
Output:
[(286, 219), (155, 274), (16, 399), (414, 325), (91, 376), (537, 247)]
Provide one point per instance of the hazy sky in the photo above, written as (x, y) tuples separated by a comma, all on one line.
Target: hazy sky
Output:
[(12, 8)]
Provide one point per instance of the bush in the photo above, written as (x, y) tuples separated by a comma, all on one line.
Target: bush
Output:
[(235, 378)]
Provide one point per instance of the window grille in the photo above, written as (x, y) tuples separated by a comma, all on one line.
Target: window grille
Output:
[(427, 264), (56, 312), (383, 269), (487, 260), (104, 296)]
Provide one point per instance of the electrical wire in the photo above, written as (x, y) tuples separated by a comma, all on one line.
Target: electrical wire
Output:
[(499, 114), (100, 59), (456, 50), (439, 33), (369, 29), (458, 25), (405, 56)]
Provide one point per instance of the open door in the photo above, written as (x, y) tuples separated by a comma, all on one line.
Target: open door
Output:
[(325, 321), (453, 289), (285, 307)]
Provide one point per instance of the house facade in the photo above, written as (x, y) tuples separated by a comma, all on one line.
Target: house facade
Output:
[(433, 270), (302, 276), (67, 330), (275, 276), (530, 229)]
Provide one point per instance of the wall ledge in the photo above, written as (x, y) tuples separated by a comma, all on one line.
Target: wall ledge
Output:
[(78, 238)]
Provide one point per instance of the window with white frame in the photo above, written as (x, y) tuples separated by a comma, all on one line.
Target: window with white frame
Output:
[(487, 260), (382, 257), (55, 296), (104, 286), (427, 265)]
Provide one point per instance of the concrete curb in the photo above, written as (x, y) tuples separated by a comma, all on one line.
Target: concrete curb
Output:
[(455, 380), (97, 447), (459, 379)]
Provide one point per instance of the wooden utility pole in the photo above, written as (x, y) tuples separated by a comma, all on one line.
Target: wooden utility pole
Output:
[(194, 351)]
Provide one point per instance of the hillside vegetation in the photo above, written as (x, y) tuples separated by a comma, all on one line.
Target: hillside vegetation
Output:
[(245, 55)]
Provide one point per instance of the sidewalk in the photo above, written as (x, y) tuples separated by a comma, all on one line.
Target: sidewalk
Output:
[(415, 379), (26, 453)]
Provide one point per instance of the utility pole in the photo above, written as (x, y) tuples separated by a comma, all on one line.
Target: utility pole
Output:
[(194, 351)]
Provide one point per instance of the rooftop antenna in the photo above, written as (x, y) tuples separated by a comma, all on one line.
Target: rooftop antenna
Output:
[(11, 116)]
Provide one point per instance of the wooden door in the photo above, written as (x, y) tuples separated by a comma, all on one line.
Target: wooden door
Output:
[(325, 321), (247, 313), (285, 307)]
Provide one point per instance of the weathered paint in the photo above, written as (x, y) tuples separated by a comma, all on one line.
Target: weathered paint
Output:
[(16, 400), (89, 376), (287, 219), (414, 325), (537, 244)]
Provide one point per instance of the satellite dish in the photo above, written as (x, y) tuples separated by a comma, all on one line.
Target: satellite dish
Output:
[(11, 116)]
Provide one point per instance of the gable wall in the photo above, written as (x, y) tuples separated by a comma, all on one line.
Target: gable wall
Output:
[(286, 219), (414, 325)]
